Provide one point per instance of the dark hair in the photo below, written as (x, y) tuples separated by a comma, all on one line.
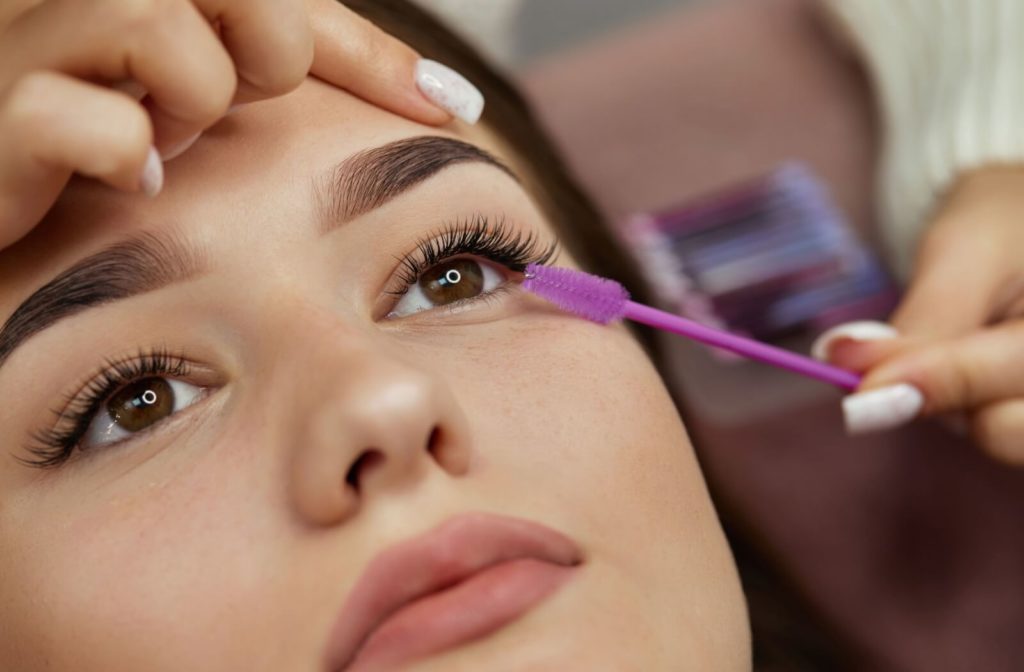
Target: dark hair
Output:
[(787, 634)]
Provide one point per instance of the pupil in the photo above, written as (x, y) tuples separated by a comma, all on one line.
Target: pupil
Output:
[(141, 404), (451, 281)]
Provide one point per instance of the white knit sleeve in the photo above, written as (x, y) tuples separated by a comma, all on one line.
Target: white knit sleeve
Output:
[(949, 82)]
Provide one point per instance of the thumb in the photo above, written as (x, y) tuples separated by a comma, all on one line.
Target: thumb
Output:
[(962, 374), (857, 346), (956, 278), (953, 292)]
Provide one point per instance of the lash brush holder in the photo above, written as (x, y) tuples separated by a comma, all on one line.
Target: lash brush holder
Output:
[(771, 257)]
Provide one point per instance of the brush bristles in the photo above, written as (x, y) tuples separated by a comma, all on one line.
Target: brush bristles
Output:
[(589, 296)]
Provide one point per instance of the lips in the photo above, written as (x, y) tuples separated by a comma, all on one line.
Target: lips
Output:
[(459, 582)]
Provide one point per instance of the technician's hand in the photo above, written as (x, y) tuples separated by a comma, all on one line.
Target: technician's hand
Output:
[(189, 61), (956, 345)]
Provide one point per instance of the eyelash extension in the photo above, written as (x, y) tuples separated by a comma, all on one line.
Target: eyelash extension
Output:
[(498, 242), (55, 446)]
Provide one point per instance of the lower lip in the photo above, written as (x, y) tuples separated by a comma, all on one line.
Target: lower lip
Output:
[(480, 605)]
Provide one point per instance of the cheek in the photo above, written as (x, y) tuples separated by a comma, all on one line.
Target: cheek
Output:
[(579, 410), (573, 421), (160, 566)]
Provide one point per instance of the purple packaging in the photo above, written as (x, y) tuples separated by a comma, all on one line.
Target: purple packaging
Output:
[(767, 258)]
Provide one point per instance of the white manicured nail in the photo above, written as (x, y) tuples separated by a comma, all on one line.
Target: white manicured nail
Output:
[(881, 409), (179, 149), (152, 180), (865, 330), (449, 90)]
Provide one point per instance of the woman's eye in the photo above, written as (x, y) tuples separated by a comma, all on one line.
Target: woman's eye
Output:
[(446, 283), (138, 406)]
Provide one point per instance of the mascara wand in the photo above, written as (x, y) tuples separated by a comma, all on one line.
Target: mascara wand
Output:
[(602, 300)]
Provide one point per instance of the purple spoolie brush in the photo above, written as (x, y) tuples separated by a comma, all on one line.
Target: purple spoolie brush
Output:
[(601, 300)]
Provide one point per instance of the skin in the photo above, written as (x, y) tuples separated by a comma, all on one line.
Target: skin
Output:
[(57, 117), (226, 538), (961, 332)]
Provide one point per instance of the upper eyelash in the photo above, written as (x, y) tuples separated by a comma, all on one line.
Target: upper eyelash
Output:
[(53, 446), (498, 242)]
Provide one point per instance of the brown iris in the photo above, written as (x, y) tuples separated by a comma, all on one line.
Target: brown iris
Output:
[(141, 404), (452, 281)]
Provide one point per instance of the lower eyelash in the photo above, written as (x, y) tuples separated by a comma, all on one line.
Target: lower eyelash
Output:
[(55, 445), (499, 242)]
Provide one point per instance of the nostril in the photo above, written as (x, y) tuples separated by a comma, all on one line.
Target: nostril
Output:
[(373, 457), (365, 461), (434, 442)]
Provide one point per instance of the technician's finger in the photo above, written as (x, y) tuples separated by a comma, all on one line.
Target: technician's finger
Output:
[(357, 56), (168, 47), (958, 375), (9, 9), (857, 346), (270, 42), (999, 429), (951, 293), (52, 125)]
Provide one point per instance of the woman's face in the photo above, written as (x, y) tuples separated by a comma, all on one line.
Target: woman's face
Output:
[(260, 412)]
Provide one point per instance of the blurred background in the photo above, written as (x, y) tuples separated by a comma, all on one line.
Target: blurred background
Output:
[(518, 32), (910, 544)]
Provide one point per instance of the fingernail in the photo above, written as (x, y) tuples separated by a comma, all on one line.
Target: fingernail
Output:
[(152, 180), (864, 330), (179, 149), (449, 90), (881, 409), (235, 108)]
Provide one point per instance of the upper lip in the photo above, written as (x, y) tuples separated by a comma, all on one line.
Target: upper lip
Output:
[(450, 553)]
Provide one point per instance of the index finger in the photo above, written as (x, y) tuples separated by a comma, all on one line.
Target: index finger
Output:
[(354, 54), (962, 374), (270, 42)]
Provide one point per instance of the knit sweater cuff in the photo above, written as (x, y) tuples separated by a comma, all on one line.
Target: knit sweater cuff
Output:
[(949, 82)]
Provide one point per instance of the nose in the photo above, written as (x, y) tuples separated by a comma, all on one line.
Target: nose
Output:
[(367, 423)]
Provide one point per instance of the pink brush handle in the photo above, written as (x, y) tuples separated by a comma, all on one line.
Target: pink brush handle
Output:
[(751, 349)]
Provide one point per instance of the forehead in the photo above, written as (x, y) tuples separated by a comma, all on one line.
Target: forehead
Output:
[(257, 165)]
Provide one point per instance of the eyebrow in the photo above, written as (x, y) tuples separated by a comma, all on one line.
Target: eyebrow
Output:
[(369, 179), (150, 261), (141, 264)]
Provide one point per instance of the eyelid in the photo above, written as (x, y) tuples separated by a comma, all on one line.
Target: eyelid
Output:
[(496, 240), (191, 415), (49, 445)]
